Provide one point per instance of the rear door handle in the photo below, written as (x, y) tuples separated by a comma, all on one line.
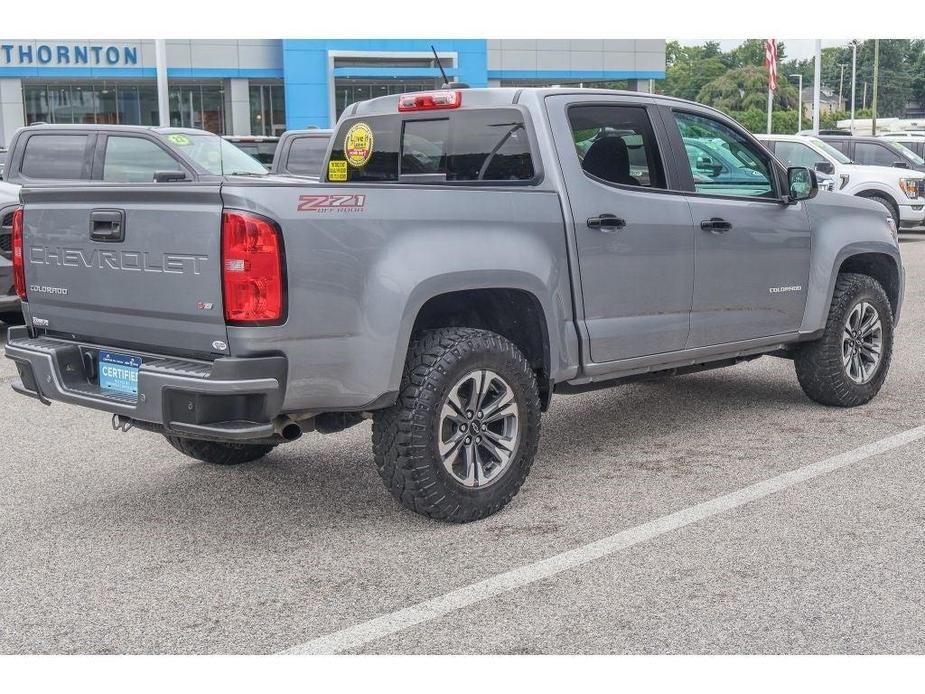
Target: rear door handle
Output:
[(606, 222), (716, 224), (107, 225)]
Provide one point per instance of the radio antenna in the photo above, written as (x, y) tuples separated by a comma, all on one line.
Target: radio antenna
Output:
[(439, 65)]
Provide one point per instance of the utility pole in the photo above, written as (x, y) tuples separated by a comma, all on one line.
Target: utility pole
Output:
[(163, 104), (873, 103), (841, 82), (817, 85), (854, 77), (799, 103)]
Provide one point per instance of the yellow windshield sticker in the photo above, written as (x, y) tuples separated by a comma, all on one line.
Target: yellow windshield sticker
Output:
[(358, 145), (181, 140), (337, 170)]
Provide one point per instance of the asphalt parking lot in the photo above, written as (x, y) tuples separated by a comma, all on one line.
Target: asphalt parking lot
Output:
[(116, 543)]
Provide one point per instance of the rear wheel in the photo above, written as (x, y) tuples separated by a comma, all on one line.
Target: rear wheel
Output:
[(847, 366), (218, 453), (460, 440)]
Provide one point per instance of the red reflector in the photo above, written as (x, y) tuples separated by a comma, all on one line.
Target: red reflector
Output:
[(19, 266), (430, 101), (252, 269)]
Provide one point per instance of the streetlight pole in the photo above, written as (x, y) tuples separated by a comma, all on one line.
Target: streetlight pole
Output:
[(873, 102), (854, 77), (841, 82), (817, 84), (799, 103)]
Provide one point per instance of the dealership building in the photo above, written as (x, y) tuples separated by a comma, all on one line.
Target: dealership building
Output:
[(262, 87)]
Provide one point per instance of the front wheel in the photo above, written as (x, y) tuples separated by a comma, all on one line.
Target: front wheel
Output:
[(218, 453), (847, 366), (460, 440)]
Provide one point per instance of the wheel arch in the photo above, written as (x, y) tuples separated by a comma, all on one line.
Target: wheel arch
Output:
[(513, 312), (881, 267), (880, 193)]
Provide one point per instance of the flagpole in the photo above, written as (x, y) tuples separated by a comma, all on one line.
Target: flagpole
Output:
[(770, 105), (770, 60)]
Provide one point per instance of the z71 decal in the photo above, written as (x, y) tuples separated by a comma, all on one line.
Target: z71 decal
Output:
[(332, 203)]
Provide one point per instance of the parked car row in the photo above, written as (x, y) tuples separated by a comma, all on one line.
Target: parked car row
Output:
[(901, 189), (295, 153)]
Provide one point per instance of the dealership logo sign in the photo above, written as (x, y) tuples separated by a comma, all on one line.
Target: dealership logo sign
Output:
[(67, 54)]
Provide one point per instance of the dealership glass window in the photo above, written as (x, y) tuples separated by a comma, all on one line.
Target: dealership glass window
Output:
[(349, 90), (113, 102), (268, 109), (198, 106)]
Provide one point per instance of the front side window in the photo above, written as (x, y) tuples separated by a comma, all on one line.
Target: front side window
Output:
[(60, 157), (722, 160), (489, 145), (616, 144), (798, 154), (135, 160)]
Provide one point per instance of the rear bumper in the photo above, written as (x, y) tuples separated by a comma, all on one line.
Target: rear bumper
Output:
[(229, 399)]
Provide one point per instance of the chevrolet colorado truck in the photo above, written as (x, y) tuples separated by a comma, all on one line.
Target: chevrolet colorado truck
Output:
[(466, 255)]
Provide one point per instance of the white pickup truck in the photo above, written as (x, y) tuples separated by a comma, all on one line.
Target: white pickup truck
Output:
[(901, 191)]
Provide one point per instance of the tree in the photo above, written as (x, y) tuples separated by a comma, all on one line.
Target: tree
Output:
[(745, 88)]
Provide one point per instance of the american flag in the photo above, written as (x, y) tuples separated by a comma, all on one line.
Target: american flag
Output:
[(770, 59)]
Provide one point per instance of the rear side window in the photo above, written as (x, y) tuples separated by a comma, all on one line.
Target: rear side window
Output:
[(616, 144), (490, 145), (306, 155), (55, 156), (134, 160), (874, 154)]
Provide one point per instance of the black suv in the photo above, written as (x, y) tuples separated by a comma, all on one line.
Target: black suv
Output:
[(875, 151)]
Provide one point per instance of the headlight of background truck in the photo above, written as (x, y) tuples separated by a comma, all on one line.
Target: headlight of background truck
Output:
[(910, 186)]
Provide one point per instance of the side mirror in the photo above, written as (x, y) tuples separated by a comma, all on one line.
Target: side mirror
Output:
[(901, 165), (801, 183), (169, 176), (825, 167)]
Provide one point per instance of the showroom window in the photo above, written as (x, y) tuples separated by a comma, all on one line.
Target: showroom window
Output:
[(115, 102), (268, 109)]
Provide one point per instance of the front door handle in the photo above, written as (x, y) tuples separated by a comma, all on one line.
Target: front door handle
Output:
[(606, 222), (107, 225), (717, 225)]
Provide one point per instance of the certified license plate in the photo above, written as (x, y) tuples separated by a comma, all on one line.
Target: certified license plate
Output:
[(119, 372)]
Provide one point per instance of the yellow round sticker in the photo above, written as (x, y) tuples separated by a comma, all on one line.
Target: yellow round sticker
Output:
[(358, 145)]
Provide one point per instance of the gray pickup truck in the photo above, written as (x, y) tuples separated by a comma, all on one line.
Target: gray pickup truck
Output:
[(466, 255)]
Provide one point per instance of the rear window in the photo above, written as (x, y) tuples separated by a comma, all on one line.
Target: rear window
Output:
[(306, 155), (464, 146), (55, 156)]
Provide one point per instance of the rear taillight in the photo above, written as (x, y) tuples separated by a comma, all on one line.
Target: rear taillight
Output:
[(19, 266), (252, 269), (430, 101)]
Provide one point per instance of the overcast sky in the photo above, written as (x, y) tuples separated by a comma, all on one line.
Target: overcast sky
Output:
[(799, 49)]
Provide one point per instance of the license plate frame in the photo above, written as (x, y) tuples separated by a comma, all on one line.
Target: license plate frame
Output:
[(118, 372)]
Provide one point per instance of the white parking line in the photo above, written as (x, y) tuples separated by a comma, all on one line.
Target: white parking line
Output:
[(366, 632)]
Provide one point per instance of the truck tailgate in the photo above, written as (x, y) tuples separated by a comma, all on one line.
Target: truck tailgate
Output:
[(131, 266)]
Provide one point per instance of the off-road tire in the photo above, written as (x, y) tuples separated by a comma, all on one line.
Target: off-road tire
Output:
[(889, 205), (819, 365), (405, 435), (218, 453)]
